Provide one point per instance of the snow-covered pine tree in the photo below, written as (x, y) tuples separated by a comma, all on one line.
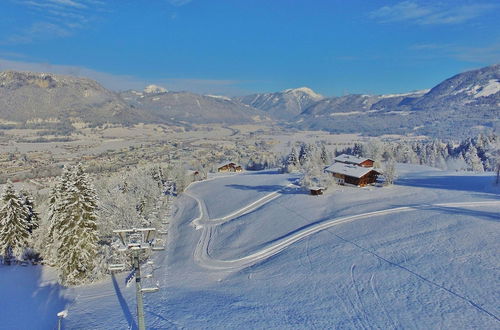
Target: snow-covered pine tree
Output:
[(357, 149), (56, 215), (291, 162), (306, 153), (33, 217), (77, 230), (472, 159), (14, 226), (325, 160)]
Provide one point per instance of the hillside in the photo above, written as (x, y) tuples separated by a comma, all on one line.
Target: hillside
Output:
[(190, 108), (42, 97), (415, 255)]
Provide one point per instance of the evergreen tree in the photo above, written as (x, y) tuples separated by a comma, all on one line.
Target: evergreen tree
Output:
[(73, 229), (306, 154), (14, 226), (56, 214), (357, 149), (325, 160), (291, 162), (472, 159), (33, 217)]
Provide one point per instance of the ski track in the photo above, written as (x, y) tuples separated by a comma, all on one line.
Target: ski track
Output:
[(202, 255)]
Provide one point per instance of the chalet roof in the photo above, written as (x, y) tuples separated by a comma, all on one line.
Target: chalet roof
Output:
[(227, 163), (350, 159), (349, 170)]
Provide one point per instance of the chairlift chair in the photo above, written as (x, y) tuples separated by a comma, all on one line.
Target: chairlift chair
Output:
[(150, 290), (116, 267)]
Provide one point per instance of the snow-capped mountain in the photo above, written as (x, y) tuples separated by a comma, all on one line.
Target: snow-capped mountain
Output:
[(282, 105), (459, 106)]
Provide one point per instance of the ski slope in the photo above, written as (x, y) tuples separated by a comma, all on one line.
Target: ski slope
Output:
[(253, 251)]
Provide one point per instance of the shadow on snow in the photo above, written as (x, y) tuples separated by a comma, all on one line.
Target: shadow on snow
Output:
[(26, 303)]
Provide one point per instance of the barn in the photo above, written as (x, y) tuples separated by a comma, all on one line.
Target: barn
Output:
[(352, 174)]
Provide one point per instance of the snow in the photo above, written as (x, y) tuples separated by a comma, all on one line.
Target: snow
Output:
[(414, 93), (491, 88), (221, 97), (350, 159), (348, 169), (253, 250), (154, 89), (304, 90)]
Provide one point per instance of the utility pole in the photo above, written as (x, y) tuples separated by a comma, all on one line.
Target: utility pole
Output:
[(137, 240)]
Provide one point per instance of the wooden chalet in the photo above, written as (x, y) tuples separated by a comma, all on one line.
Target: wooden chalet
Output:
[(230, 167), (354, 160), (353, 170)]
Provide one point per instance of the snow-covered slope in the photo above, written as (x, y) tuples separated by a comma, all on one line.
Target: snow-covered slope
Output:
[(251, 250)]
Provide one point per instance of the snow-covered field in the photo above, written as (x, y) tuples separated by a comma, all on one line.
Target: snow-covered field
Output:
[(252, 251)]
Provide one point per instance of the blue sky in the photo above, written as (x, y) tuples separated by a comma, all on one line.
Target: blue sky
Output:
[(236, 47)]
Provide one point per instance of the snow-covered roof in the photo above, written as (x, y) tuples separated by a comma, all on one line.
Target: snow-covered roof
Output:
[(349, 169), (344, 158), (227, 163)]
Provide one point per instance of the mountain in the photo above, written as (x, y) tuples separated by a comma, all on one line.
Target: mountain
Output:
[(190, 108), (43, 97), (477, 88), (462, 105), (282, 105)]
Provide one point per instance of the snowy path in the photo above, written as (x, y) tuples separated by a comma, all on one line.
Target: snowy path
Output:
[(203, 221)]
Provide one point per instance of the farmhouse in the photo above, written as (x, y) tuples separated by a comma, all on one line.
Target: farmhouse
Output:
[(354, 160), (352, 173), (230, 167)]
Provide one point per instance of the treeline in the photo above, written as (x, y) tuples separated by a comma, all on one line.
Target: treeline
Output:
[(478, 154)]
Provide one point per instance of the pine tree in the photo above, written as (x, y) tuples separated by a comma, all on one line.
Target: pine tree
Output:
[(77, 230), (472, 159), (33, 217), (324, 155), (357, 149), (291, 162), (14, 226), (305, 154), (56, 214)]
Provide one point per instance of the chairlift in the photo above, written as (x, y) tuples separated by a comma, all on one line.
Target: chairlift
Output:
[(150, 262), (150, 290), (162, 232), (148, 276), (116, 267), (158, 248)]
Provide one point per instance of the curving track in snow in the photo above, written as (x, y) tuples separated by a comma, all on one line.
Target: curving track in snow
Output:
[(202, 254)]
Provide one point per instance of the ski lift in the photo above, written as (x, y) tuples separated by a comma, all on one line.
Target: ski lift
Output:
[(150, 290), (162, 232), (116, 267), (158, 248)]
